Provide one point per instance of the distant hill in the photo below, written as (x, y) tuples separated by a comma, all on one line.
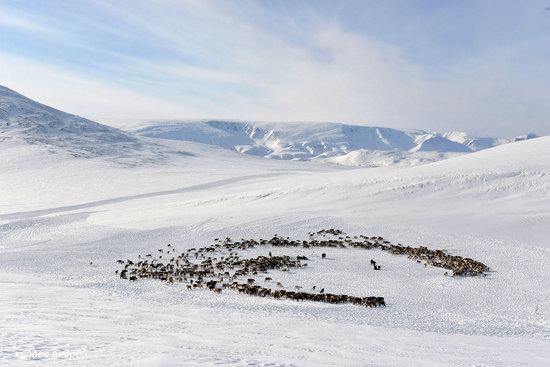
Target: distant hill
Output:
[(331, 142), (22, 119)]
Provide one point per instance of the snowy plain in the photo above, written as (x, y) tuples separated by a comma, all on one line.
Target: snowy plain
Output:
[(66, 218)]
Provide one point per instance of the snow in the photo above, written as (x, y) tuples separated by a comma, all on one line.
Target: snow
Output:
[(480, 143), (22, 119), (59, 212), (282, 140), (475, 143), (526, 137), (438, 143), (320, 142), (377, 158)]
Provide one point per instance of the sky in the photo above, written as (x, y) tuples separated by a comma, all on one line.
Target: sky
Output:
[(480, 66)]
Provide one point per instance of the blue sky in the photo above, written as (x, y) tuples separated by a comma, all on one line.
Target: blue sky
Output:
[(479, 66)]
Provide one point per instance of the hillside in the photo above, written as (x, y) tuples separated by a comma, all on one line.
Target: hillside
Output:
[(23, 120), (27, 121), (325, 142)]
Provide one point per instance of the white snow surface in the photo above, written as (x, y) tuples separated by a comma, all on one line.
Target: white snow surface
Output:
[(379, 158), (438, 143), (480, 143), (22, 119), (59, 212), (349, 145)]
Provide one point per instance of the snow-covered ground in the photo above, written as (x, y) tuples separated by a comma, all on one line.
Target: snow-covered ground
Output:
[(65, 220)]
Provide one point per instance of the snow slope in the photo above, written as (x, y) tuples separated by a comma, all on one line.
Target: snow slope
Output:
[(293, 139), (378, 158), (53, 299), (326, 142), (349, 145), (309, 141), (438, 143), (475, 143), (64, 221), (22, 119)]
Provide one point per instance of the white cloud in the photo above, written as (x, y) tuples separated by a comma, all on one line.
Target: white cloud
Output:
[(91, 98), (243, 69), (15, 20)]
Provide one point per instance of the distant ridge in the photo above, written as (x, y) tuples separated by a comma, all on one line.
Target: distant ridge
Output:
[(332, 142), (22, 119)]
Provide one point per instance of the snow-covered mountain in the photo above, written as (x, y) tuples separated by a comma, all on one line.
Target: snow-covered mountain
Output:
[(526, 137), (283, 140), (475, 143), (22, 119), (329, 142)]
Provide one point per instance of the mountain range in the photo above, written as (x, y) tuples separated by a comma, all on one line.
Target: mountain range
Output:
[(344, 144), (352, 145)]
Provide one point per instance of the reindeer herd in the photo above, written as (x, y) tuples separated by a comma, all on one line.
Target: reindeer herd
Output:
[(220, 266)]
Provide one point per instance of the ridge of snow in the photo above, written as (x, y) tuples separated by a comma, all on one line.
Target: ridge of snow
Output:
[(475, 143), (438, 143), (310, 141), (22, 119)]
